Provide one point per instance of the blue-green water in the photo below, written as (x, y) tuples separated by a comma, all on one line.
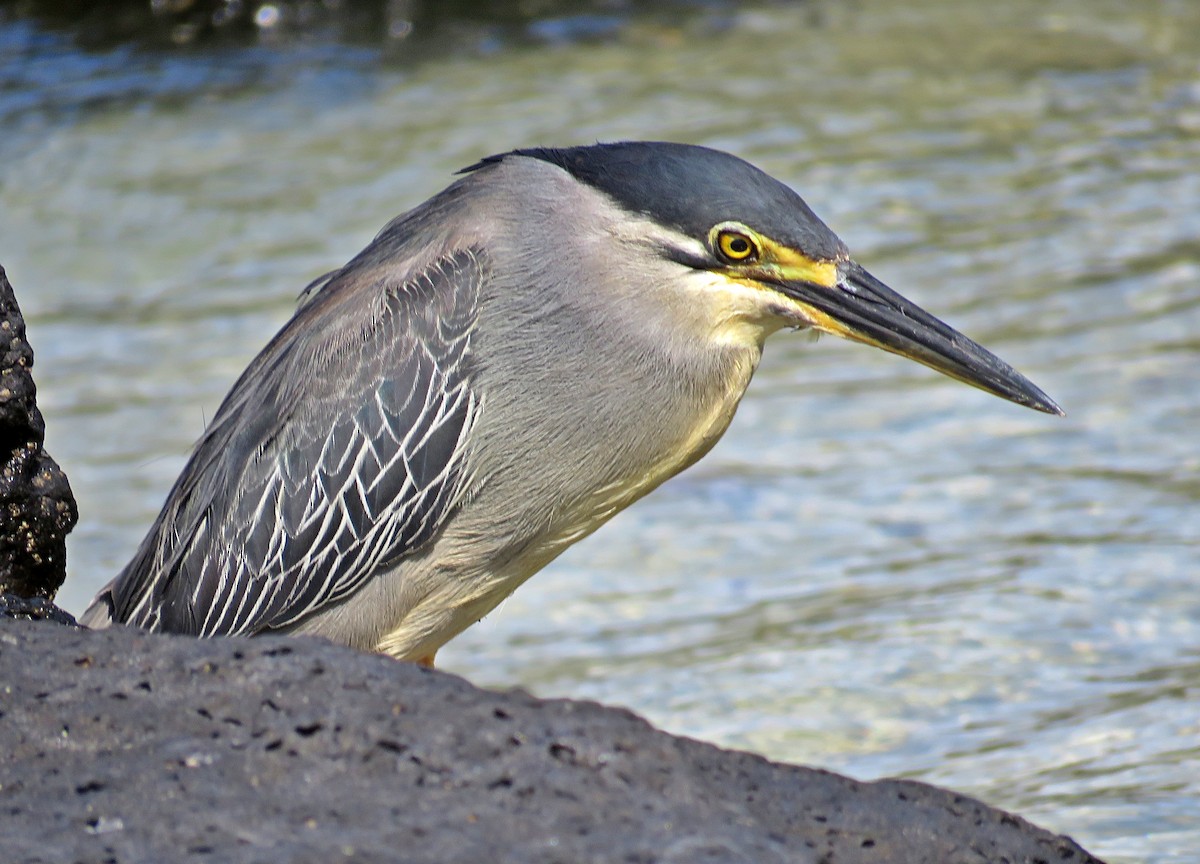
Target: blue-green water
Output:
[(878, 570)]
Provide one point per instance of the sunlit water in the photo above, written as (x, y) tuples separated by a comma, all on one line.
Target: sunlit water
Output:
[(878, 570)]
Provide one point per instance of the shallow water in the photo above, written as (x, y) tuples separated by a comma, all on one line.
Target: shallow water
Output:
[(878, 570)]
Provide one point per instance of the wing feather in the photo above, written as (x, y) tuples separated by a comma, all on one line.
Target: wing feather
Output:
[(331, 458)]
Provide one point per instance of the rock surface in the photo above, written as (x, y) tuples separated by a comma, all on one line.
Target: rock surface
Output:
[(37, 508), (123, 746)]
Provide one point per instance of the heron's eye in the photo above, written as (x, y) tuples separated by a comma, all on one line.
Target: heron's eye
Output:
[(736, 247)]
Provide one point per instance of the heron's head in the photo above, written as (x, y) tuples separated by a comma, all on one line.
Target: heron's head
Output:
[(756, 259)]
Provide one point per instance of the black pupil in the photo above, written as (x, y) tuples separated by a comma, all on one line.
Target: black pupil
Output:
[(739, 245)]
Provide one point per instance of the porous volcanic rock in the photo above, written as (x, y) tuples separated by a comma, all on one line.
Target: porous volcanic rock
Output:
[(37, 509), (123, 746)]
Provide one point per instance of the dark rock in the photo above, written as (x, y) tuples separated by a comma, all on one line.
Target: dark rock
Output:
[(33, 609), (37, 509), (124, 746), (165, 24)]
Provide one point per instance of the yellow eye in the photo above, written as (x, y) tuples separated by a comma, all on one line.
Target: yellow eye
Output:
[(736, 246)]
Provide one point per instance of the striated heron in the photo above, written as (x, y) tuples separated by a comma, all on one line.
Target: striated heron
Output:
[(498, 373)]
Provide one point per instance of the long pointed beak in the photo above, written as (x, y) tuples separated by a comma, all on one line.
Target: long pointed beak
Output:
[(861, 308)]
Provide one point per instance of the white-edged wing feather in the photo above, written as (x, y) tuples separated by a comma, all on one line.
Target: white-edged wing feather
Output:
[(335, 455)]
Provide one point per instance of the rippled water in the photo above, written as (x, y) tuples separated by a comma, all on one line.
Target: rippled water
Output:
[(878, 570)]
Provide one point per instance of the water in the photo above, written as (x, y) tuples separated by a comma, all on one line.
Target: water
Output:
[(878, 570)]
